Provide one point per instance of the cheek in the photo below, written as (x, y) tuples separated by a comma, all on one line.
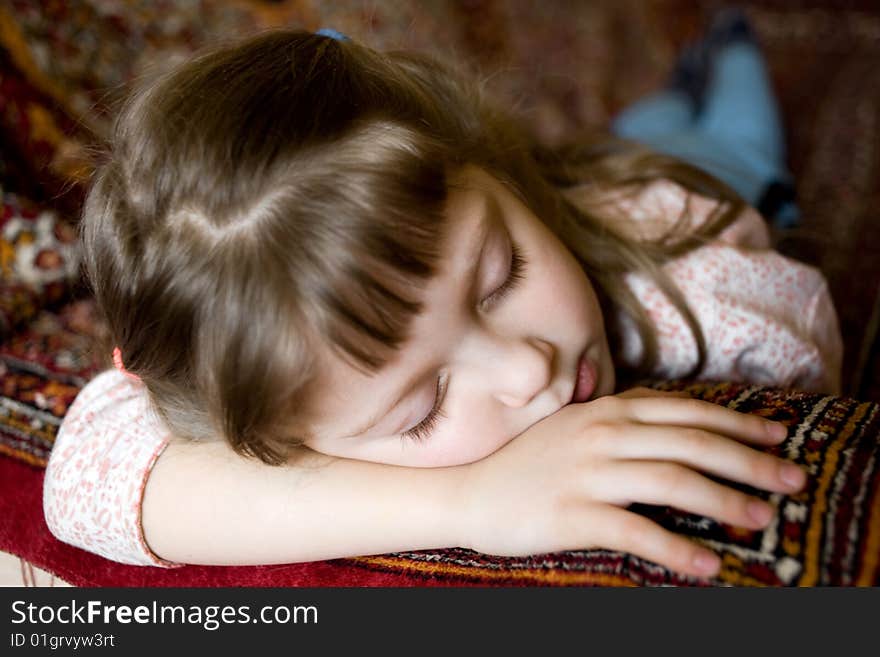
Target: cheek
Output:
[(463, 442), (562, 294), (559, 282)]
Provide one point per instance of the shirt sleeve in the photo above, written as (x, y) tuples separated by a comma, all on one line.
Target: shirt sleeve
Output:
[(94, 484), (766, 319)]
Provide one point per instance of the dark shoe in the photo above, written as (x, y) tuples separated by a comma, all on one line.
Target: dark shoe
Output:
[(693, 67), (778, 205), (691, 74)]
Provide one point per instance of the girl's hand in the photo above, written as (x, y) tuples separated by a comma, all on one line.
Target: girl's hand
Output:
[(563, 483)]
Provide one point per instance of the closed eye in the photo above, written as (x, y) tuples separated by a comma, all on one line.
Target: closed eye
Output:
[(424, 428), (514, 278)]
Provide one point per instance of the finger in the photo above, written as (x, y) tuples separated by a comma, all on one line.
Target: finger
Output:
[(671, 484), (709, 417), (618, 529), (708, 452)]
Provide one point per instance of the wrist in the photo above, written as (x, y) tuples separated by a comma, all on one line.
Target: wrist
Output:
[(461, 502), (418, 508), (447, 503)]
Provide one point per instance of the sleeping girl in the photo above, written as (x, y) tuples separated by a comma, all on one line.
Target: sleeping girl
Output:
[(356, 308)]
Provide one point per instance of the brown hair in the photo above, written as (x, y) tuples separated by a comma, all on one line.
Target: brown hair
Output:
[(287, 191)]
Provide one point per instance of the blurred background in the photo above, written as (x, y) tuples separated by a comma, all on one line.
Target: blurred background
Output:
[(566, 65)]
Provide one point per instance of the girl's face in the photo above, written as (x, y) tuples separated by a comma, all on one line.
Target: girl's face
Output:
[(498, 347)]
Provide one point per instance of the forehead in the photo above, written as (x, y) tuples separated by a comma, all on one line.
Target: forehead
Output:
[(341, 390)]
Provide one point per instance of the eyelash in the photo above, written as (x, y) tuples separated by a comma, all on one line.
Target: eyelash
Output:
[(514, 278), (424, 428)]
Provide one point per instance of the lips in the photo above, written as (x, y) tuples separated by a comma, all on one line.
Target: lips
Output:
[(585, 381)]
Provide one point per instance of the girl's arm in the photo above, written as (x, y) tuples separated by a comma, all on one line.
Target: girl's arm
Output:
[(559, 485), (205, 504)]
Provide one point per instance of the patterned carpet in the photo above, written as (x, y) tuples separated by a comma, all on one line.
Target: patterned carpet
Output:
[(565, 65)]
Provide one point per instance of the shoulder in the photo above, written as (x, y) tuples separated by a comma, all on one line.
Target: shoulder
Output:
[(766, 318), (109, 399), (646, 212), (110, 413), (106, 446)]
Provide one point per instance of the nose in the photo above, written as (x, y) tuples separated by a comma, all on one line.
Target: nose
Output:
[(522, 368)]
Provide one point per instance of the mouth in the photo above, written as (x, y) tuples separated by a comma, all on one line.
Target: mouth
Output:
[(585, 380)]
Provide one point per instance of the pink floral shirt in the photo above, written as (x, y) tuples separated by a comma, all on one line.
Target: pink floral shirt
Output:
[(767, 320)]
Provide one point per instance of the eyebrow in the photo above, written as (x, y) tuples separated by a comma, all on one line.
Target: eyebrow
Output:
[(475, 248)]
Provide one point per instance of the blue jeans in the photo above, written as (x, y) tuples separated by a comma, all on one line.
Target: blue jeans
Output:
[(737, 137)]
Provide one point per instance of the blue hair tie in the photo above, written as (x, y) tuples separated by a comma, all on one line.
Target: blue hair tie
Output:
[(333, 34)]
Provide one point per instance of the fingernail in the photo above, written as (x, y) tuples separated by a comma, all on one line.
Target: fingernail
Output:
[(707, 562), (760, 512), (792, 475), (777, 430)]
